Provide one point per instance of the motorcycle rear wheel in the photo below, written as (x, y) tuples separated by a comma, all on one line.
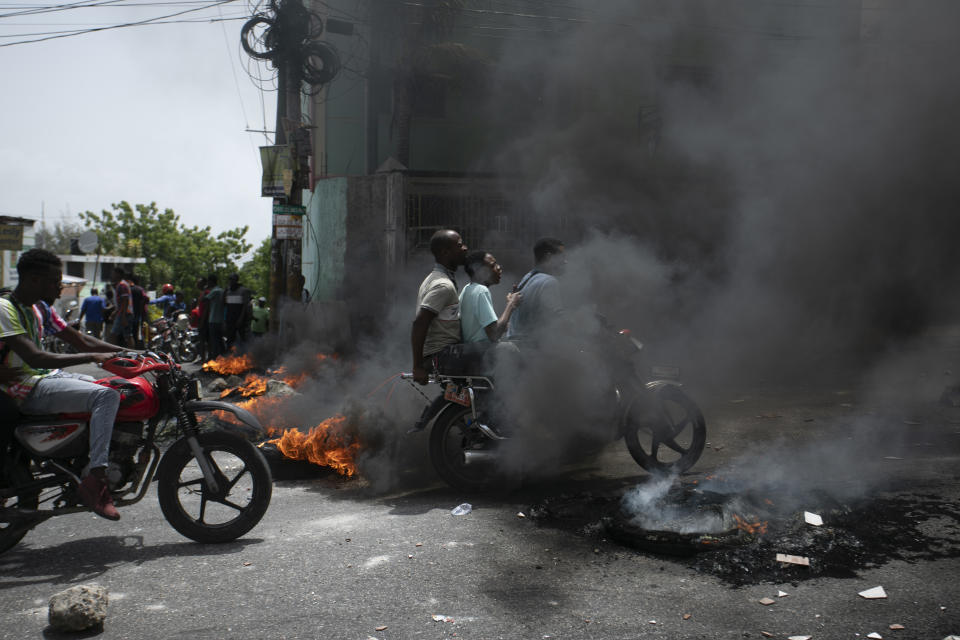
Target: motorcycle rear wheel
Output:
[(451, 436), (669, 437), (245, 487), (15, 474)]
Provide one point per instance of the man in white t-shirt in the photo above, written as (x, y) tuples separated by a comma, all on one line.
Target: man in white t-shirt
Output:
[(437, 323)]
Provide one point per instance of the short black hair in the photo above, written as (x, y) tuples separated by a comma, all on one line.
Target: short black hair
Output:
[(212, 279), (546, 247), (94, 291), (37, 260), (440, 240), (474, 261)]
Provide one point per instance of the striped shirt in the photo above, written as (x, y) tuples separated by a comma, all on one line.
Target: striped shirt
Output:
[(34, 322)]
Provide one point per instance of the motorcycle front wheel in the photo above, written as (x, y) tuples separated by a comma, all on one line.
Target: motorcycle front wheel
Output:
[(11, 532), (664, 430), (242, 496), (452, 440)]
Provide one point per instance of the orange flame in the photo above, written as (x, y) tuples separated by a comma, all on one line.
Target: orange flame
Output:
[(755, 528), (229, 365), (326, 445)]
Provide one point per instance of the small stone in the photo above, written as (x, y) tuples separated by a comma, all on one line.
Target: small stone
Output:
[(766, 601), (382, 627), (217, 384), (687, 616), (782, 594), (766, 634), (875, 636), (78, 608), (897, 627), (279, 388)]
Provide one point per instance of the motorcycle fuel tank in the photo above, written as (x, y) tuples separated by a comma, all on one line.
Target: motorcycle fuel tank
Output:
[(53, 437), (138, 398)]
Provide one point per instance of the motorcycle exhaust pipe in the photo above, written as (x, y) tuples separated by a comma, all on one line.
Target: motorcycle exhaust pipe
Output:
[(479, 456)]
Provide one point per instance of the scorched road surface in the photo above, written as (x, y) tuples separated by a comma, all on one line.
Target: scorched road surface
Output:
[(335, 559)]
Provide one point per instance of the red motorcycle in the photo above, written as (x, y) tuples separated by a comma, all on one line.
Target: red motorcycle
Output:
[(213, 486)]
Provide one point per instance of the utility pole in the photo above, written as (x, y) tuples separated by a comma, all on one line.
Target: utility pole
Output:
[(286, 253), (289, 43)]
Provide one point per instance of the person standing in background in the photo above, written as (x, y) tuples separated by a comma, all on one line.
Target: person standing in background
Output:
[(214, 317), (92, 308), (122, 331), (260, 315), (236, 301), (201, 319), (139, 299)]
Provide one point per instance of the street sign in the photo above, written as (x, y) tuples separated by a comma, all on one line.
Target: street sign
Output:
[(288, 233), (287, 220), (289, 209), (11, 237)]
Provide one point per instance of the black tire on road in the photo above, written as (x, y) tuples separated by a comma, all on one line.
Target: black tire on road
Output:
[(668, 437), (244, 480), (450, 437), (13, 475)]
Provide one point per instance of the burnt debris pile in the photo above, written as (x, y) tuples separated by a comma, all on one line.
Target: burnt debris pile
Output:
[(746, 538)]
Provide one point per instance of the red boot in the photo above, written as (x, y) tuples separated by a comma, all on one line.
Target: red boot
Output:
[(94, 493)]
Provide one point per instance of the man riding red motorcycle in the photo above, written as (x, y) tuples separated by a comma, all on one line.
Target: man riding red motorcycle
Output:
[(35, 383)]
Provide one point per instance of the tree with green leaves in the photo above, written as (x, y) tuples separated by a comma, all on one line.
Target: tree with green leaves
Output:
[(57, 238), (174, 252), (255, 272)]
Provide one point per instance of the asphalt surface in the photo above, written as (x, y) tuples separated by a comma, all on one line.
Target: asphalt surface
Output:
[(334, 558)]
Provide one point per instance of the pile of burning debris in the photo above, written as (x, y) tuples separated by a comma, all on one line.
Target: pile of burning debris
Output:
[(271, 397), (744, 538)]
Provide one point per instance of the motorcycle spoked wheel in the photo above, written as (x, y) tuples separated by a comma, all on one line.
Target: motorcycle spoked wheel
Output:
[(186, 351), (450, 437), (244, 480), (668, 438), (16, 474)]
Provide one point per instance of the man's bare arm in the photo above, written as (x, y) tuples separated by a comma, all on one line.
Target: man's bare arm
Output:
[(29, 353), (495, 330), (418, 335)]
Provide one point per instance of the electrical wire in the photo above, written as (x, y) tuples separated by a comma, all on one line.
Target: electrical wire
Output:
[(148, 21), (74, 31)]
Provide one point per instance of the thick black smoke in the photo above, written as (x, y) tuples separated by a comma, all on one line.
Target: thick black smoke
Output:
[(757, 185)]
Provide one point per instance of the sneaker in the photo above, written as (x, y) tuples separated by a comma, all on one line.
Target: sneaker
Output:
[(93, 492)]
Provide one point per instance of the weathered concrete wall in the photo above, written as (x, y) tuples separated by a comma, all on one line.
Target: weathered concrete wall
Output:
[(325, 244)]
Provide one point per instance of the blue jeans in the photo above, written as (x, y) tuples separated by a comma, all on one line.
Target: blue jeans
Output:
[(64, 392)]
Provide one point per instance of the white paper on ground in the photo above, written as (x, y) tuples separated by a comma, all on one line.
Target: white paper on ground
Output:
[(873, 594)]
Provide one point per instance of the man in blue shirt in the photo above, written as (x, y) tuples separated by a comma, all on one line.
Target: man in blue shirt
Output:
[(478, 320), (92, 307), (541, 292)]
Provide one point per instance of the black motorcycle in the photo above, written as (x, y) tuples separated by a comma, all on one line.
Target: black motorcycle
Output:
[(663, 427)]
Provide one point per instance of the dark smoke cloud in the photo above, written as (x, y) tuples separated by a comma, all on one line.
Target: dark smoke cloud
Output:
[(754, 189), (797, 198)]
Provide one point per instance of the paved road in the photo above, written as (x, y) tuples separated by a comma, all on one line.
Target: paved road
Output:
[(336, 559)]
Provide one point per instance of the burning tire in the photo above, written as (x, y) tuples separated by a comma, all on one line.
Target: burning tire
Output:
[(16, 474), (460, 452), (669, 437), (243, 495)]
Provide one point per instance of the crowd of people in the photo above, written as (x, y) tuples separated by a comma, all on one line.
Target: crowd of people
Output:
[(222, 317)]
